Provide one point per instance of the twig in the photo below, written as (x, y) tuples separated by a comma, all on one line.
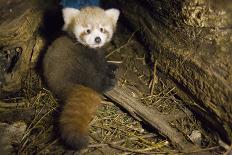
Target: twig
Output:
[(124, 45), (47, 146), (155, 78), (115, 62), (19, 104), (106, 103), (11, 105), (229, 151), (226, 147), (223, 144), (31, 127)]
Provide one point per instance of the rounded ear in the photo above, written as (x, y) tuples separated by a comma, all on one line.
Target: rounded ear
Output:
[(114, 14), (68, 15)]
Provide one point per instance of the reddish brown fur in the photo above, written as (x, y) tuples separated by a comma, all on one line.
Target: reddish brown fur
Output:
[(80, 101), (66, 66), (82, 35)]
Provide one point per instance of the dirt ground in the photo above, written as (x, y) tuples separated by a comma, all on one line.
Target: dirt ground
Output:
[(31, 119)]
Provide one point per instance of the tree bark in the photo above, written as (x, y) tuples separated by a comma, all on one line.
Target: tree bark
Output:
[(20, 42), (192, 43)]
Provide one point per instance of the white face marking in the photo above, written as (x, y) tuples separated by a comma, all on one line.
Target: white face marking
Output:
[(93, 37), (110, 30)]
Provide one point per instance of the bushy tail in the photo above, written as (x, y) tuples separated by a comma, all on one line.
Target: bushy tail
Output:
[(80, 106)]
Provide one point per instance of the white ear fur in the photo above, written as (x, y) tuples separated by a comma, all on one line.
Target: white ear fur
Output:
[(113, 13), (68, 15)]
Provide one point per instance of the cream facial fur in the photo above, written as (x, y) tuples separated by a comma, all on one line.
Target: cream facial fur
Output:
[(92, 26)]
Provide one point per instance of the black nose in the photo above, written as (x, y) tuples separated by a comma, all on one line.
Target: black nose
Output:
[(98, 40)]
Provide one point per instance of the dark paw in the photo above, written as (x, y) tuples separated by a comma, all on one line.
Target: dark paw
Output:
[(108, 77), (109, 83), (111, 70), (112, 66)]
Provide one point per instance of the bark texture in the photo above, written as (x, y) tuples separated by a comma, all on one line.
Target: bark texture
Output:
[(20, 42), (192, 43)]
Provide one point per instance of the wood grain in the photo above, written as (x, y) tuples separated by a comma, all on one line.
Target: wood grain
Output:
[(129, 100)]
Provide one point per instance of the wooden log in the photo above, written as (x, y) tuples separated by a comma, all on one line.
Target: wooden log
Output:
[(192, 43), (20, 42), (128, 99)]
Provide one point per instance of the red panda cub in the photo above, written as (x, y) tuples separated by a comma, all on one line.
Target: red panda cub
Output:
[(78, 74)]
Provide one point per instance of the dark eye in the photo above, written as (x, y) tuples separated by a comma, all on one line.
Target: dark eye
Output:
[(88, 31), (101, 29)]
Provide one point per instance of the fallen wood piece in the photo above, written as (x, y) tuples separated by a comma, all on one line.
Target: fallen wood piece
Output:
[(129, 100), (20, 42)]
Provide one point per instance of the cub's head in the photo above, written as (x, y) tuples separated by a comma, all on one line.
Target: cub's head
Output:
[(92, 26)]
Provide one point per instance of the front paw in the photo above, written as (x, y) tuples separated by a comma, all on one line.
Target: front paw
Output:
[(112, 66), (109, 79), (111, 70), (109, 84)]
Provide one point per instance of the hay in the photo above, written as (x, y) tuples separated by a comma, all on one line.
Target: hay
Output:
[(112, 128)]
